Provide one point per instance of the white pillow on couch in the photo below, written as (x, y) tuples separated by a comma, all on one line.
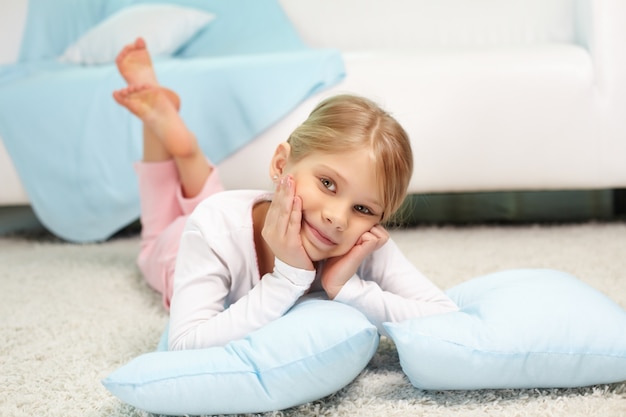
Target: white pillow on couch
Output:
[(165, 28)]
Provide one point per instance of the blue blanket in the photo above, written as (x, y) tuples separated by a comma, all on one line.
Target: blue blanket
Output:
[(73, 146)]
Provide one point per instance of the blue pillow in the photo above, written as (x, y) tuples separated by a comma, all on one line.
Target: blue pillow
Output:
[(516, 329), (315, 349)]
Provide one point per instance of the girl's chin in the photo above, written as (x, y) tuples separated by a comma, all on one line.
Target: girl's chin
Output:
[(316, 254)]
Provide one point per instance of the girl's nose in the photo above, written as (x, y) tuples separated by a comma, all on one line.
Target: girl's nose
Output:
[(337, 215)]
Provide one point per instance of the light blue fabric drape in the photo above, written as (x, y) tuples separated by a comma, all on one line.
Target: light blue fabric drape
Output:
[(73, 146)]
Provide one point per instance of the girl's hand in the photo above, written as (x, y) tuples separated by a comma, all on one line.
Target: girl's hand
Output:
[(337, 271), (282, 226)]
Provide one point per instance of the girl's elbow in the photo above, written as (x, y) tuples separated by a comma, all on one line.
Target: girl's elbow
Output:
[(175, 344), (180, 341), (450, 306)]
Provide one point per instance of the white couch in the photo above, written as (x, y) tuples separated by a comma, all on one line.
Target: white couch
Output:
[(495, 94)]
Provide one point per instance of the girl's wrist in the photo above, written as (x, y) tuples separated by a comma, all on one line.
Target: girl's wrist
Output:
[(332, 291), (298, 276)]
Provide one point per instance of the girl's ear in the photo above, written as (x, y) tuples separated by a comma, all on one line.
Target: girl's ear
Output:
[(279, 160)]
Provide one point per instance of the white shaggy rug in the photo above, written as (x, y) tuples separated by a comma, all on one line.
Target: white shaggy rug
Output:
[(71, 314)]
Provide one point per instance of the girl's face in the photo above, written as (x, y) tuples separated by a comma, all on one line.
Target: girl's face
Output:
[(340, 200)]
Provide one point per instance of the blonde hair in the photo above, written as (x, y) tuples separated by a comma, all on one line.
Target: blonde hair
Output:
[(346, 123)]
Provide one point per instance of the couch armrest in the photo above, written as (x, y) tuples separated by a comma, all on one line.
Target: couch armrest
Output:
[(12, 22), (606, 34)]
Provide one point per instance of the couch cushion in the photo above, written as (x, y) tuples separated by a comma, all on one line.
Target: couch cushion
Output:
[(408, 24)]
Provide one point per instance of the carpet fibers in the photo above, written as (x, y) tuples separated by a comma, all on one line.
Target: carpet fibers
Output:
[(72, 313)]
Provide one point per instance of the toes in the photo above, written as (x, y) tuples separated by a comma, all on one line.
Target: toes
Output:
[(118, 96), (122, 54), (140, 43)]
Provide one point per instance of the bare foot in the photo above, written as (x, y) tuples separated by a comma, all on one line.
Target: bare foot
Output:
[(156, 107), (135, 64)]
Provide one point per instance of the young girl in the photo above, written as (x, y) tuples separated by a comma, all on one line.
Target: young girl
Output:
[(228, 263)]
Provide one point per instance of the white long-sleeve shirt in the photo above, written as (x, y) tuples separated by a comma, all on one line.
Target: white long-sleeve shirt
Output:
[(219, 295)]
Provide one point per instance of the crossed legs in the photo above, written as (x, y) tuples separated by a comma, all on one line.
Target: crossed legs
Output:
[(165, 134), (174, 175)]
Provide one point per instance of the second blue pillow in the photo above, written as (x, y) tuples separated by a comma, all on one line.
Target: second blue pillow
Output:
[(526, 328)]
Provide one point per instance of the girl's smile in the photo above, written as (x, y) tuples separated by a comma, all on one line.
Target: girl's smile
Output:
[(322, 238)]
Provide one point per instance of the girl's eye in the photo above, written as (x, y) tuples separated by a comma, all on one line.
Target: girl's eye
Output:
[(363, 210), (328, 184)]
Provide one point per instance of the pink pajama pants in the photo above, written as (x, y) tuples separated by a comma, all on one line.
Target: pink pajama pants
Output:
[(164, 212)]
